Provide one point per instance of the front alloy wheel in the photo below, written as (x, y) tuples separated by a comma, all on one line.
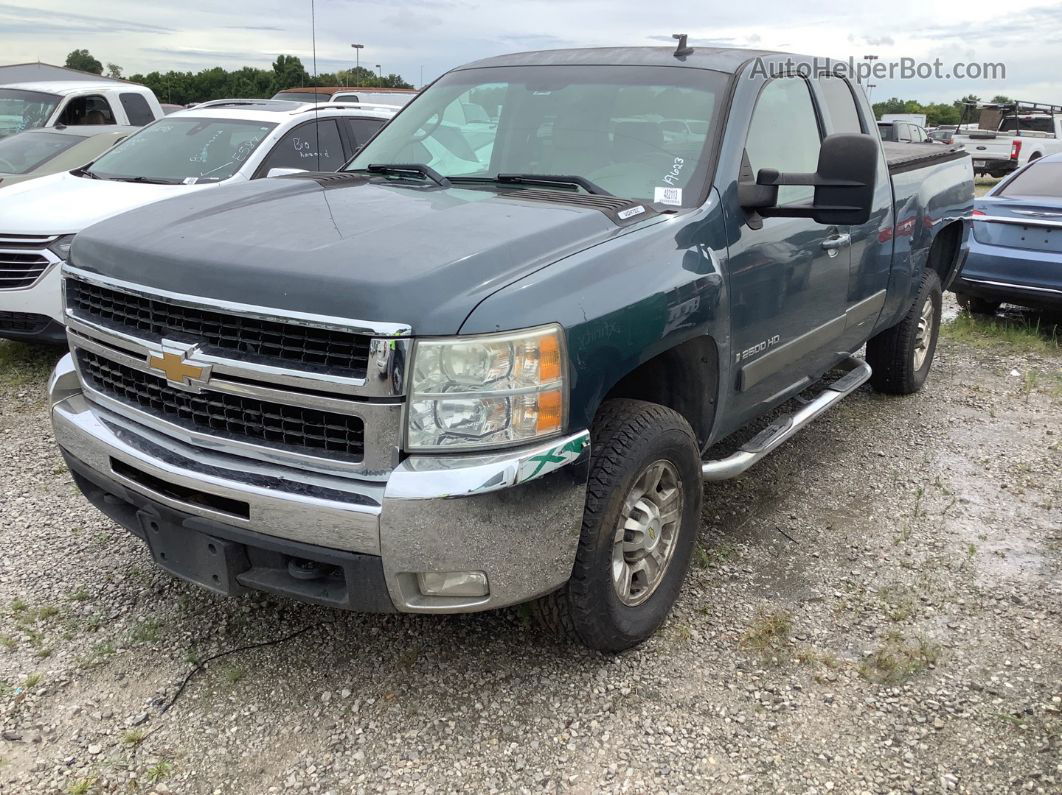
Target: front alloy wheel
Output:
[(646, 533)]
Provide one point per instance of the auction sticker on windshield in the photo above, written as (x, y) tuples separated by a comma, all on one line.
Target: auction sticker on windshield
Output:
[(668, 196)]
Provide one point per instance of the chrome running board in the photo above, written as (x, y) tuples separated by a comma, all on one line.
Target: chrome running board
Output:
[(784, 427)]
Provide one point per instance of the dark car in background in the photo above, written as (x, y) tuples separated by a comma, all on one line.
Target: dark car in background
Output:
[(49, 150), (1016, 250)]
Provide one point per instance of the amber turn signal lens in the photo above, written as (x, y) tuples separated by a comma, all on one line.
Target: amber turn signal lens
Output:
[(550, 412), (549, 359)]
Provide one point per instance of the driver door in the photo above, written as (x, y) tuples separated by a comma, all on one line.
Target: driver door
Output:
[(789, 278)]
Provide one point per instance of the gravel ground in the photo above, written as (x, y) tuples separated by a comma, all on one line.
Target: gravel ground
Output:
[(876, 608)]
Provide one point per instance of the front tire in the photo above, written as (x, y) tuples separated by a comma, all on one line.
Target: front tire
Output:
[(640, 524), (901, 356)]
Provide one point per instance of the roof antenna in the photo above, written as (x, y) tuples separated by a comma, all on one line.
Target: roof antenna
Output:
[(683, 49)]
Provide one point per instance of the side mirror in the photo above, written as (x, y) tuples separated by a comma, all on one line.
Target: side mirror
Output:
[(844, 185), (283, 172)]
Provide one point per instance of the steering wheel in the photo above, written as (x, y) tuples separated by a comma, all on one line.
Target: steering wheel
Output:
[(428, 127), (6, 165)]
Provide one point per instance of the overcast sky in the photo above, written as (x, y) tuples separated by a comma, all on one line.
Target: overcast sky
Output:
[(406, 36)]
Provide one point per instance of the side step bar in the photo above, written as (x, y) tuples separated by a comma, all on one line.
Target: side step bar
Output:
[(784, 427)]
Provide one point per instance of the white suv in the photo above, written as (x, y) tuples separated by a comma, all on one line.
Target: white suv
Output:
[(215, 144)]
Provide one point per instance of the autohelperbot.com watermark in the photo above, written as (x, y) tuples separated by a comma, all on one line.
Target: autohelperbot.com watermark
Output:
[(879, 69)]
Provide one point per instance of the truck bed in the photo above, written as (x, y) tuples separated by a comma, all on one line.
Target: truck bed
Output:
[(908, 157)]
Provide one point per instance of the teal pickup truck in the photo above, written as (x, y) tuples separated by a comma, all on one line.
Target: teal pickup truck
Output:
[(491, 360)]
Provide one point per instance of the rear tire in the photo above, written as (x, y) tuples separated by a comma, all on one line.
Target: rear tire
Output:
[(977, 306), (901, 356), (640, 524)]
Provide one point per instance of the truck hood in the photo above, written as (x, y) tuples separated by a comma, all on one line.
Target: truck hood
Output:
[(421, 256), (62, 204)]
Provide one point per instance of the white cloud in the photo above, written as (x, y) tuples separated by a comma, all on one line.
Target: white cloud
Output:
[(405, 36)]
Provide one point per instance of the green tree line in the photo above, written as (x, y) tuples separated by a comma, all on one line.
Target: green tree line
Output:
[(938, 113), (181, 88)]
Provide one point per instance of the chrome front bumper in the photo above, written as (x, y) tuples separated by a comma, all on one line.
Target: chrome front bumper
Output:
[(515, 516)]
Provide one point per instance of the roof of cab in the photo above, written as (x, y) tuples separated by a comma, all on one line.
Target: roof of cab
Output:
[(275, 110), (719, 59), (70, 86), (82, 130)]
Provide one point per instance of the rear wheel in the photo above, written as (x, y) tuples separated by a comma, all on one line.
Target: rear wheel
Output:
[(640, 524), (901, 356), (977, 306)]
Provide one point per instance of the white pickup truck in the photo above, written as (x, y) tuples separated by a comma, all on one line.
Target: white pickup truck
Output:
[(27, 106), (1009, 136)]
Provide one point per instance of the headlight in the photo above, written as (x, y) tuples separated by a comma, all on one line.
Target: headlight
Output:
[(61, 247), (488, 390)]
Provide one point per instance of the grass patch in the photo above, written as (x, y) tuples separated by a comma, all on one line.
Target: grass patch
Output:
[(82, 786), (899, 602), (990, 332), (22, 364), (713, 557), (147, 631), (768, 635), (98, 655), (31, 681), (899, 659), (133, 737), (232, 674), (159, 771)]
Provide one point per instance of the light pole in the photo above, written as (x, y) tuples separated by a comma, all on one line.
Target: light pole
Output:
[(379, 71), (357, 59)]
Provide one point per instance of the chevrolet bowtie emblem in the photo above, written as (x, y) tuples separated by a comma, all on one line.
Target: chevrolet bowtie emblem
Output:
[(177, 369)]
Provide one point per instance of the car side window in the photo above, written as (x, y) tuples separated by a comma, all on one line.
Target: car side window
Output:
[(93, 109), (784, 134), (903, 132), (920, 135), (137, 109), (315, 146), (361, 130), (840, 105)]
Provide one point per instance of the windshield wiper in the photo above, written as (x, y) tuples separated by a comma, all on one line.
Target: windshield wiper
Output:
[(403, 169), (146, 180), (84, 172), (553, 179)]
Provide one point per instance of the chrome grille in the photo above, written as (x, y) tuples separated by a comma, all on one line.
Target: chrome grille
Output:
[(294, 428), (290, 345), (23, 260)]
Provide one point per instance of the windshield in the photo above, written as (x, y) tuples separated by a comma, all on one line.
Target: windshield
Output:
[(186, 150), (24, 110), (21, 154), (637, 132)]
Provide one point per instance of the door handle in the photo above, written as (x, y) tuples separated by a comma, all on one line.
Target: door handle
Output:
[(835, 243)]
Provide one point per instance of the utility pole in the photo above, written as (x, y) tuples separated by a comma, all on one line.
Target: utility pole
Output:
[(357, 60), (379, 71)]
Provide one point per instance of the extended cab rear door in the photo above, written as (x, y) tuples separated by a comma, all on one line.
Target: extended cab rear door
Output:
[(870, 250)]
